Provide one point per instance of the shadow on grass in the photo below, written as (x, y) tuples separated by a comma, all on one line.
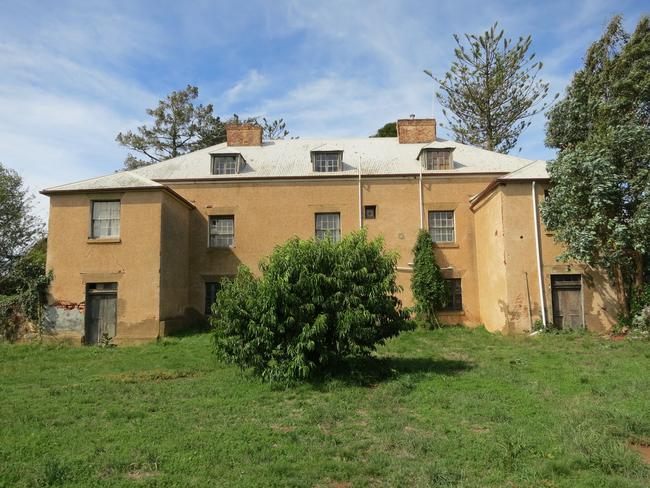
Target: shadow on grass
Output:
[(370, 371)]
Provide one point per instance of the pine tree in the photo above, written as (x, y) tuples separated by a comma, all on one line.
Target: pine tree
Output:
[(179, 126), (492, 90)]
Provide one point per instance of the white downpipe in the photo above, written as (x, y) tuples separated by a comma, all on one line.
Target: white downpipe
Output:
[(421, 201), (540, 276), (360, 197)]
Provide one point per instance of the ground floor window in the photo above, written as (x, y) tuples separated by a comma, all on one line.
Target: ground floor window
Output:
[(328, 225), (455, 298), (211, 289)]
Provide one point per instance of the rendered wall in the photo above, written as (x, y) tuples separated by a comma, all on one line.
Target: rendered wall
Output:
[(491, 262), (133, 261), (174, 265), (270, 212), (521, 304)]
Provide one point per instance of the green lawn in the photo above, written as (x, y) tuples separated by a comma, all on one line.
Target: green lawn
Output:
[(453, 407)]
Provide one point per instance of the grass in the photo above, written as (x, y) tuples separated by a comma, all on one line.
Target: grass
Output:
[(453, 407)]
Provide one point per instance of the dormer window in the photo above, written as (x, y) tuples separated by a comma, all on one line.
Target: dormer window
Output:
[(326, 161), (227, 164), (437, 159)]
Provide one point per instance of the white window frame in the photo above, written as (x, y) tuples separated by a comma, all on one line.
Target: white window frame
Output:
[(453, 228), (323, 165), (319, 233), (93, 219), (212, 218), (234, 162), (431, 161)]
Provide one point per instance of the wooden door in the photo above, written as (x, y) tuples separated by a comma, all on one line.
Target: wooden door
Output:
[(101, 312), (567, 301)]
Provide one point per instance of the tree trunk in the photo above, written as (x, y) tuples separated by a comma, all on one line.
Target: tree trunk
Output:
[(621, 292)]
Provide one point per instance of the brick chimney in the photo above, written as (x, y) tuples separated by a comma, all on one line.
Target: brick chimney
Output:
[(416, 131), (244, 135)]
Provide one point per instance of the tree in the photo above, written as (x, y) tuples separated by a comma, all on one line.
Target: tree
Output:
[(179, 126), (19, 228), (430, 289), (23, 293), (316, 303), (388, 130), (492, 90), (599, 202), (274, 129)]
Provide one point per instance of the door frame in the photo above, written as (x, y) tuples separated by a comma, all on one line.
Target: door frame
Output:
[(92, 289), (582, 297)]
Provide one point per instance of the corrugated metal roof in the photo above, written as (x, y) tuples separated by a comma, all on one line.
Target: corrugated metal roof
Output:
[(533, 171), (376, 156), (125, 179), (292, 158)]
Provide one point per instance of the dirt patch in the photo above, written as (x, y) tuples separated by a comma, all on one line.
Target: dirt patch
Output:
[(140, 474), (145, 376), (480, 430), (283, 428), (643, 450)]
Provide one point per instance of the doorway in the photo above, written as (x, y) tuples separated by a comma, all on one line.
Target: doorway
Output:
[(566, 291), (101, 312)]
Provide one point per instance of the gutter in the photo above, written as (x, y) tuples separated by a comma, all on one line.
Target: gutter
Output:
[(349, 176)]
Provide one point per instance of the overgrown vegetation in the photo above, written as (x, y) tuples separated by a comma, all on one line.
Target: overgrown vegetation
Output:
[(23, 294), (430, 290), (598, 206), (448, 407), (316, 303), (179, 126), (23, 280)]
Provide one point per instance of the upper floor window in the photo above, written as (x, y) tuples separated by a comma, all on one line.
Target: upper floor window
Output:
[(455, 297), (437, 159), (226, 164), (441, 226), (222, 231), (328, 226), (327, 161), (105, 219)]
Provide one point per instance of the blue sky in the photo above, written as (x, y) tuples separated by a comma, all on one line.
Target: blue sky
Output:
[(75, 73)]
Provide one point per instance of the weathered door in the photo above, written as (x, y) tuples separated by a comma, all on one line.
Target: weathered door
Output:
[(101, 311), (567, 301)]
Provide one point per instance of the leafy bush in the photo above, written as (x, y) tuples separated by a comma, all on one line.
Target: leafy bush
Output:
[(430, 290), (23, 293), (316, 303), (640, 309)]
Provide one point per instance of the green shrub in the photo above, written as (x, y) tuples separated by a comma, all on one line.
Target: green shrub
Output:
[(430, 290), (316, 303), (23, 293)]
